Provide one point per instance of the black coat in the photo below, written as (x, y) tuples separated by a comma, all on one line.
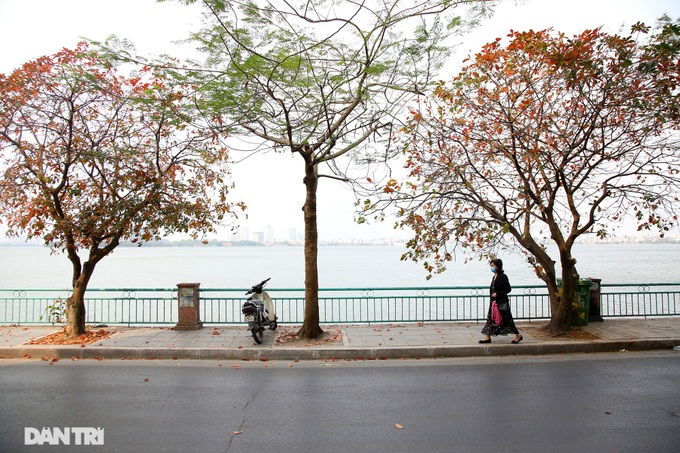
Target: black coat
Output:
[(501, 286)]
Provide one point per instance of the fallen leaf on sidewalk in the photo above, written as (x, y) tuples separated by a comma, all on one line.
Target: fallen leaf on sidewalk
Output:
[(289, 337), (398, 426), (60, 338), (573, 334)]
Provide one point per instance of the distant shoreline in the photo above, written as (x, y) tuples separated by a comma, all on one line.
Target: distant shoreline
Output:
[(347, 242)]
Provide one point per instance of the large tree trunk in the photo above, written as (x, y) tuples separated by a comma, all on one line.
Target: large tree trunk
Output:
[(310, 327), (75, 304), (561, 302)]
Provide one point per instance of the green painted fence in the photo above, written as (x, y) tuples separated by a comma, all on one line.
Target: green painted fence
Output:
[(158, 306)]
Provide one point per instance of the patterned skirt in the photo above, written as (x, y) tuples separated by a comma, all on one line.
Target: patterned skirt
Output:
[(506, 327)]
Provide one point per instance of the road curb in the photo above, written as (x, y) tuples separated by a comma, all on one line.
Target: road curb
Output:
[(321, 353)]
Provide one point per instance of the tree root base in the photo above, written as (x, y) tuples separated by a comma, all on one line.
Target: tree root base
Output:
[(309, 332)]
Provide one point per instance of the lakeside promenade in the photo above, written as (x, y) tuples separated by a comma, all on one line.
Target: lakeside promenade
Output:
[(344, 342)]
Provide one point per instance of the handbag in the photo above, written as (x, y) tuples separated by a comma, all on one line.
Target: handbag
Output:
[(496, 317), (504, 307)]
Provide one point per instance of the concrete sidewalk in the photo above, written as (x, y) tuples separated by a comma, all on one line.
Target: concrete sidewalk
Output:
[(381, 341)]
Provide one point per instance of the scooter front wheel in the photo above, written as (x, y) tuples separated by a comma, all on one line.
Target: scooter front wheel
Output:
[(258, 334)]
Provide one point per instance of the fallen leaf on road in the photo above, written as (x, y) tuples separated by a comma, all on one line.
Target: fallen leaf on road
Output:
[(398, 426)]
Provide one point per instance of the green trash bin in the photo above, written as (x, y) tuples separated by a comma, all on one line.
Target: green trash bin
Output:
[(579, 316)]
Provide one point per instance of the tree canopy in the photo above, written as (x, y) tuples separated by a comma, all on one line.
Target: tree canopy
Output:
[(90, 158), (542, 140), (324, 80)]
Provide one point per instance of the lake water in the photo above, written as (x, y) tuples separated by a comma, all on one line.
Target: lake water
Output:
[(339, 267)]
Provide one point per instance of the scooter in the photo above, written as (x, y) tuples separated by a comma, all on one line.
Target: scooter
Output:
[(259, 311)]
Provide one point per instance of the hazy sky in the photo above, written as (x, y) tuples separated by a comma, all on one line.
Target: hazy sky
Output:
[(272, 185)]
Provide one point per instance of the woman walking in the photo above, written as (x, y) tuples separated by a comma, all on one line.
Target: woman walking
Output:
[(499, 319)]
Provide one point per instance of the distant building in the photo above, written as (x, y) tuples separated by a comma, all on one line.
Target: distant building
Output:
[(241, 234), (269, 236)]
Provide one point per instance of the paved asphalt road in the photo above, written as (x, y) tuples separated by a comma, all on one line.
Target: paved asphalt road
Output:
[(625, 402)]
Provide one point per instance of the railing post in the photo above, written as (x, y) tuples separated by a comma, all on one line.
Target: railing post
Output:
[(189, 305), (594, 313)]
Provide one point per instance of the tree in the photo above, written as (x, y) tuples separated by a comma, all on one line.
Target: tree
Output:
[(545, 139), (91, 158), (324, 80)]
